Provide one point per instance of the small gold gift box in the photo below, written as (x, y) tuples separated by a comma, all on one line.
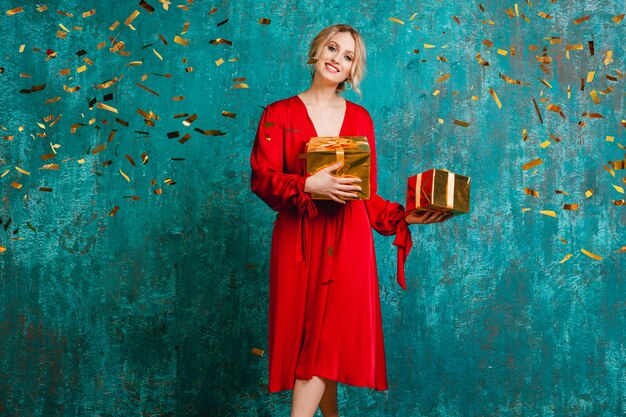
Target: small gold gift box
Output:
[(440, 190), (352, 151)]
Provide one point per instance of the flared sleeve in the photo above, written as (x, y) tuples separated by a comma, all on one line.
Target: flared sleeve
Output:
[(278, 189), (387, 217)]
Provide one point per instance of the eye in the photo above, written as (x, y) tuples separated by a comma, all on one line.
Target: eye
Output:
[(349, 58), (331, 48)]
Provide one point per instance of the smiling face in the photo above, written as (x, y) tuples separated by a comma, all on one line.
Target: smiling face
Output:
[(335, 60)]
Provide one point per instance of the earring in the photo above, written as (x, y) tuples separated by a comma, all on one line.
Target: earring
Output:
[(348, 85)]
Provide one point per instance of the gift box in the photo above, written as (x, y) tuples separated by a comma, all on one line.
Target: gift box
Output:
[(352, 151), (438, 189)]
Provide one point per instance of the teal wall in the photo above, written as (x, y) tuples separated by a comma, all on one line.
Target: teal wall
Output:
[(154, 310)]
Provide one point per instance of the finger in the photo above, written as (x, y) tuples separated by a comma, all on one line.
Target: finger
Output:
[(346, 194), (337, 199), (332, 167), (342, 187), (348, 180)]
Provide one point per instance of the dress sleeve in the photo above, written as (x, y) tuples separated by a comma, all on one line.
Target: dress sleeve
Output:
[(387, 217), (279, 190)]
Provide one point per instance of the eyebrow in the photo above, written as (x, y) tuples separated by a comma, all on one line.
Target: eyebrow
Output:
[(350, 52)]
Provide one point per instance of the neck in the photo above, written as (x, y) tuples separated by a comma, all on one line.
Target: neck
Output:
[(321, 94)]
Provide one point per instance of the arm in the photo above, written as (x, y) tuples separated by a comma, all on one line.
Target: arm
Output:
[(386, 217), (277, 189)]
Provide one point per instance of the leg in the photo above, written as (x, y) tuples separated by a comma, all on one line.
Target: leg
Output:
[(306, 396), (328, 404)]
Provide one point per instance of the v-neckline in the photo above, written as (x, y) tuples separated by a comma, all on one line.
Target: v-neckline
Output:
[(306, 110)]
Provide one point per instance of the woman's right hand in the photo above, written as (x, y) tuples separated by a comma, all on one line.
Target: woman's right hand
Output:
[(325, 184)]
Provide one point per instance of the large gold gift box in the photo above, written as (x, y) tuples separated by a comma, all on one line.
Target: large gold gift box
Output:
[(440, 190), (353, 151)]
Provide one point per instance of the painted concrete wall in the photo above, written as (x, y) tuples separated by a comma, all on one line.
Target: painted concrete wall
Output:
[(116, 300)]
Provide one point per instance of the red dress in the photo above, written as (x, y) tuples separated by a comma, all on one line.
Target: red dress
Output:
[(324, 315)]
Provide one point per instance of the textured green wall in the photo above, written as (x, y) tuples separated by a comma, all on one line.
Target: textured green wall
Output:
[(154, 310)]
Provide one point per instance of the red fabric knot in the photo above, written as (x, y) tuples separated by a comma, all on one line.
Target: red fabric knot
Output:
[(404, 243)]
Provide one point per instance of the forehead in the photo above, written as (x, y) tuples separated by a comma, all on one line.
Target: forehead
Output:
[(343, 39)]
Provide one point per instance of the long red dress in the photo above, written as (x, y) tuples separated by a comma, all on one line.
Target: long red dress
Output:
[(324, 316)]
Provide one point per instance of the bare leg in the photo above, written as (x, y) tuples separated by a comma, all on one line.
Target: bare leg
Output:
[(328, 403), (306, 396)]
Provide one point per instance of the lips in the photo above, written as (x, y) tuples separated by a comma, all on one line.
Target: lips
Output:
[(331, 68)]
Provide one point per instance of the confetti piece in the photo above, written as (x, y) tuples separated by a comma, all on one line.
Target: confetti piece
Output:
[(436, 92), (461, 123), (428, 46), (16, 185), (481, 61), (544, 82), (591, 255), (223, 22), (563, 240), (71, 89), (588, 193), (443, 77), (178, 98), (594, 97), (393, 19), (181, 41), (532, 164), (124, 175), (228, 114), (219, 41), (495, 97), (219, 62), (89, 13), (188, 121), (257, 352), (618, 188), (115, 209), (544, 15), (14, 11), (263, 21), (617, 19), (572, 207), (147, 89), (45, 189), (622, 249), (510, 80), (608, 59), (106, 84), (548, 213), (619, 202), (98, 149), (531, 192), (22, 171), (545, 144), (581, 19), (157, 54), (106, 107), (241, 85), (144, 158), (569, 255), (146, 6)]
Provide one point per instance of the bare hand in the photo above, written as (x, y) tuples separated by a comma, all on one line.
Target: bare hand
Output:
[(327, 185), (429, 216)]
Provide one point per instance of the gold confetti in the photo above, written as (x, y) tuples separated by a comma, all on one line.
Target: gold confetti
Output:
[(436, 92), (461, 123), (16, 185), (619, 202), (130, 19), (14, 11), (531, 192), (570, 207), (617, 19), (71, 89), (544, 15), (219, 41), (178, 98), (257, 351), (45, 189), (241, 85), (591, 255), (569, 255), (495, 97), (228, 114), (428, 46), (544, 82), (188, 121), (264, 21), (525, 209), (22, 171), (581, 19), (532, 164), (443, 77), (181, 41), (99, 149), (548, 213), (124, 175), (608, 59), (510, 80), (106, 107), (618, 188), (114, 25), (481, 61), (89, 13), (503, 52), (219, 62), (147, 89), (144, 158), (563, 240), (594, 97), (588, 193), (622, 249), (545, 144), (393, 19), (157, 54)]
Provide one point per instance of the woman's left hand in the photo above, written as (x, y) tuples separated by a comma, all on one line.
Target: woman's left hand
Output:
[(429, 216)]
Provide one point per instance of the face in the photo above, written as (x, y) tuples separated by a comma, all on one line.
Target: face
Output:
[(336, 58)]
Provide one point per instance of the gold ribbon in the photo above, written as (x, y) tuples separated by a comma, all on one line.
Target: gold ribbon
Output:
[(338, 144)]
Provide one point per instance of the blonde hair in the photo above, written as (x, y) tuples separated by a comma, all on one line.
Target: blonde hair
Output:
[(357, 72)]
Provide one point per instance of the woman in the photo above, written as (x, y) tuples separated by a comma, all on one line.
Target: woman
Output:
[(325, 323)]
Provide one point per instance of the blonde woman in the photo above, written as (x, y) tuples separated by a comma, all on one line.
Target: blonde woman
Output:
[(325, 323)]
